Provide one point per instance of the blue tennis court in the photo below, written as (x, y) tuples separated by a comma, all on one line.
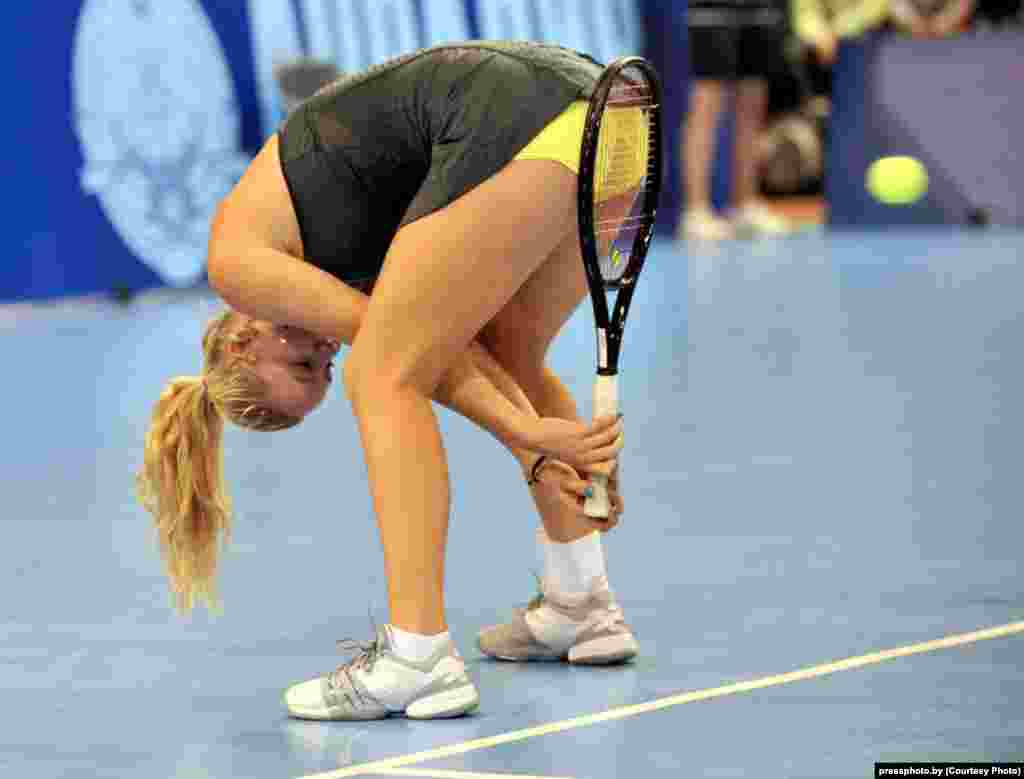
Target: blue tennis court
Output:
[(822, 463)]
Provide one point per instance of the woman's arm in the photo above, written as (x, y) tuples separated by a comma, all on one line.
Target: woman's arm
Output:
[(272, 285), (590, 448)]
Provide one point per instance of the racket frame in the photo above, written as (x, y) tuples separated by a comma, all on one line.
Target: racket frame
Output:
[(609, 325)]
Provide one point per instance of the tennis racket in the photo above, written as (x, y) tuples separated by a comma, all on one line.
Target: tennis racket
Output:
[(618, 189)]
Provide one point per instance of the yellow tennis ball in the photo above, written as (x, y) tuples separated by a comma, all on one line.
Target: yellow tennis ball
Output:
[(897, 181)]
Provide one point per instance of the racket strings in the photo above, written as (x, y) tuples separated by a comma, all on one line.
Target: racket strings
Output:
[(624, 168)]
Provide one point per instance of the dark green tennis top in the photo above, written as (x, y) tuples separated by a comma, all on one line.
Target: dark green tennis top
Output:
[(377, 150)]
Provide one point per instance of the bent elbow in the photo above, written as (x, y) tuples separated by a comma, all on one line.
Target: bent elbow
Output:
[(217, 272), (224, 273), (221, 257)]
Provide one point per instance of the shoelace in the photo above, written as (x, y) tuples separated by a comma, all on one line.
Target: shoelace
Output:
[(365, 657)]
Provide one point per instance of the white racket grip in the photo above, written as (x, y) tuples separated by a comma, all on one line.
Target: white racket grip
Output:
[(606, 401)]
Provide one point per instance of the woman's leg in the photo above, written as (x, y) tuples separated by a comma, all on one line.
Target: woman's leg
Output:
[(519, 338), (521, 334), (577, 618), (444, 278)]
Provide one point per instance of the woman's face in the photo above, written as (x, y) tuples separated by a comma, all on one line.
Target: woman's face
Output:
[(296, 364)]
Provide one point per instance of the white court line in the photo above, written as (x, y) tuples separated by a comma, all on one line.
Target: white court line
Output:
[(439, 774), (380, 767)]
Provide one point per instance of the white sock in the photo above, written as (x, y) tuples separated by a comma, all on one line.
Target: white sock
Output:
[(416, 646), (570, 569)]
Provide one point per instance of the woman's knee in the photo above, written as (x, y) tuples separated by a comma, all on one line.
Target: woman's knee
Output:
[(353, 376), (369, 375), (520, 350)]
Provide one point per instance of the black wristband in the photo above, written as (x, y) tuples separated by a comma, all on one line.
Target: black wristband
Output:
[(535, 471)]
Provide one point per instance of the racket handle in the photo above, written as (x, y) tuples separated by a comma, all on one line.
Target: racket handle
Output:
[(606, 402)]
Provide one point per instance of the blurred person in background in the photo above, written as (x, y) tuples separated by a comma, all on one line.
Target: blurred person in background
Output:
[(931, 18), (792, 148), (821, 24), (735, 47)]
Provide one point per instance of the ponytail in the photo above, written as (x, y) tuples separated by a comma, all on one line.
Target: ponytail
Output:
[(182, 485), (181, 482)]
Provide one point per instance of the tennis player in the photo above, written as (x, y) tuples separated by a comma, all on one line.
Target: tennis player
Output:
[(424, 212)]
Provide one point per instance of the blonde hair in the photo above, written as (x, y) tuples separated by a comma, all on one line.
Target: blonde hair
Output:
[(181, 482)]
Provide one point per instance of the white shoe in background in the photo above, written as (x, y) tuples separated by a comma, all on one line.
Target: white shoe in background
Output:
[(701, 224), (756, 219)]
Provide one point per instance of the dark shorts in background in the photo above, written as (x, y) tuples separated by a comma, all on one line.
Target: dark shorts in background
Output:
[(729, 42)]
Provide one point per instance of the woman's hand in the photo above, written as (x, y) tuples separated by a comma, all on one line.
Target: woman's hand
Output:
[(588, 447), (559, 482)]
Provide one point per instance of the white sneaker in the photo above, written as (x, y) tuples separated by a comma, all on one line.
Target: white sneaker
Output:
[(587, 629), (756, 219), (377, 683), (700, 224)]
